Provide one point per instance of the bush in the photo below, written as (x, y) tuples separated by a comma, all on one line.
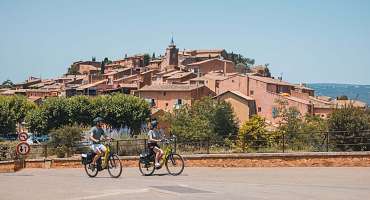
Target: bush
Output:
[(8, 150), (64, 138)]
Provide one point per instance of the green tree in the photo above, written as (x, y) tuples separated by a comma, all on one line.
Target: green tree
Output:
[(253, 134), (37, 121), (146, 59), (119, 110), (21, 106), (73, 70), (347, 125), (7, 117), (64, 138), (206, 118), (153, 56), (79, 110), (7, 84)]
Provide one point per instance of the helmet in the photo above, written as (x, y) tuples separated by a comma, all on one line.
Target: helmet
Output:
[(98, 119)]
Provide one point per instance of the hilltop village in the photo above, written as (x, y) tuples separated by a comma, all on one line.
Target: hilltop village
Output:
[(181, 77)]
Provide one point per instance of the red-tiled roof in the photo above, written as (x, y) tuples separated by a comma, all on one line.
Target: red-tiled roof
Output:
[(170, 87), (270, 80), (237, 93), (209, 60)]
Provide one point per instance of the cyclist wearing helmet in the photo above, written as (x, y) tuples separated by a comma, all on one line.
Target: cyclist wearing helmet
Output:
[(154, 138), (96, 134)]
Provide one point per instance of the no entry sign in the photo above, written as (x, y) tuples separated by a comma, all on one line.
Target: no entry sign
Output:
[(23, 148)]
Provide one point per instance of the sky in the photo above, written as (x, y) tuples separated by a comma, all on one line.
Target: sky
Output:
[(309, 41)]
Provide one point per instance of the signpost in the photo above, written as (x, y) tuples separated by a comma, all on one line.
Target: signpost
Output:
[(23, 148), (23, 136)]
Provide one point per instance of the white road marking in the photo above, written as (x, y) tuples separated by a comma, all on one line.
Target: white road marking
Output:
[(112, 193)]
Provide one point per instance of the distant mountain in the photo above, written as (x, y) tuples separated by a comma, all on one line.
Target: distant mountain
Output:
[(359, 92)]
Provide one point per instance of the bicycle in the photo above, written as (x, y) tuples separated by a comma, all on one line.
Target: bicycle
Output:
[(174, 162), (109, 161)]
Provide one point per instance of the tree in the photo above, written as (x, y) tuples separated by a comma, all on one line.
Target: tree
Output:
[(7, 117), (64, 138), (347, 125), (79, 110), (146, 59), (119, 110), (7, 84), (253, 134), (93, 59), (21, 106), (240, 59), (73, 70), (153, 56), (103, 63), (206, 118), (37, 121)]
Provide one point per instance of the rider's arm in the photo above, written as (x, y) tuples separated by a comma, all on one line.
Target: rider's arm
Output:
[(91, 136), (151, 139)]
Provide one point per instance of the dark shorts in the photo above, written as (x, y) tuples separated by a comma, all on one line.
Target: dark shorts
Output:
[(151, 146)]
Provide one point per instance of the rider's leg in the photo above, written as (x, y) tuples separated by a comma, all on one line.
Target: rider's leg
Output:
[(97, 156), (158, 154), (156, 151)]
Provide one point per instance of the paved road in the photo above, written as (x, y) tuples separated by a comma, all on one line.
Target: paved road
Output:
[(195, 183)]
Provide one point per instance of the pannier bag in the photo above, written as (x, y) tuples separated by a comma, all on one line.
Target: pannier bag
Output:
[(87, 158)]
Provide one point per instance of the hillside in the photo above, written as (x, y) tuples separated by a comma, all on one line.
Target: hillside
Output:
[(360, 92)]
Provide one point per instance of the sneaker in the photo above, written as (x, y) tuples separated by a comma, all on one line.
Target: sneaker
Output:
[(157, 165)]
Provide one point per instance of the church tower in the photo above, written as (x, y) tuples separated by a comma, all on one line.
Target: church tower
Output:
[(172, 55)]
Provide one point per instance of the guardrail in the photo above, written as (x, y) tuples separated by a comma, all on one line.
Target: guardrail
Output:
[(329, 141)]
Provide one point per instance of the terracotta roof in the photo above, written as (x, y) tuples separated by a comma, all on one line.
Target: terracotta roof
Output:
[(125, 77), (180, 75), (209, 60), (117, 71), (170, 87), (270, 80), (303, 101), (82, 87), (237, 93)]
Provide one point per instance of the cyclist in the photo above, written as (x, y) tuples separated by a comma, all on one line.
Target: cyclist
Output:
[(154, 138), (96, 134)]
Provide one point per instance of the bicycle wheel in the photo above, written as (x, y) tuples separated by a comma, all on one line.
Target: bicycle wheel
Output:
[(114, 166), (91, 170), (175, 164), (146, 168)]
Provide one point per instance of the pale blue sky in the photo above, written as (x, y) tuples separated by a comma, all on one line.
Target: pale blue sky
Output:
[(307, 41)]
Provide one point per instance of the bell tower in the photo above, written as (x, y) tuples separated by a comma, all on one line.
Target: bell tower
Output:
[(172, 55)]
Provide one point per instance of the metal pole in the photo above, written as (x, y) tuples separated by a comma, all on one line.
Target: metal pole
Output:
[(207, 145), (46, 150), (283, 142), (117, 146), (327, 141)]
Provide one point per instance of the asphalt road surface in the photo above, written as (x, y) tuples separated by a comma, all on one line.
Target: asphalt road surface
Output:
[(194, 183)]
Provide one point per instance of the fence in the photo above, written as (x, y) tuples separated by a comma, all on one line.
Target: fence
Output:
[(331, 141)]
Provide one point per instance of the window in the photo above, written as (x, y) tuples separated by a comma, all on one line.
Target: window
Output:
[(164, 93), (232, 81), (178, 102), (166, 104), (259, 109), (252, 92), (275, 112)]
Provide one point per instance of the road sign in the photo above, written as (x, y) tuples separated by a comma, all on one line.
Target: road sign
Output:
[(23, 136), (23, 148)]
